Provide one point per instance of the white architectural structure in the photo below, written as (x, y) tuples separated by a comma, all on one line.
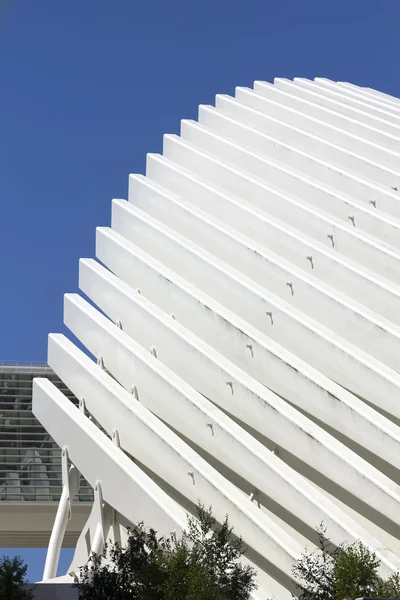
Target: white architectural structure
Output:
[(30, 465), (250, 353)]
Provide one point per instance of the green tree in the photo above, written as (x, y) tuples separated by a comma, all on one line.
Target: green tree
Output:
[(355, 572), (130, 573), (13, 579), (346, 571), (202, 565)]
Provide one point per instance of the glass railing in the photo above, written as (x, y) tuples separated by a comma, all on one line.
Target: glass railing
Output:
[(30, 460)]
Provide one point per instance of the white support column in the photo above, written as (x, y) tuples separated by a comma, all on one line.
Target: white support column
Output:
[(70, 483), (98, 541)]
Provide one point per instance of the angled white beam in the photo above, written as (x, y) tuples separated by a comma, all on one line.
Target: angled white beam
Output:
[(333, 92), (148, 498), (313, 193), (292, 244), (376, 336), (373, 133), (272, 365), (339, 106), (248, 333), (320, 225), (170, 456), (318, 126), (208, 371), (292, 329), (382, 95), (384, 198), (99, 459), (315, 145), (356, 93), (189, 412), (175, 402), (373, 94)]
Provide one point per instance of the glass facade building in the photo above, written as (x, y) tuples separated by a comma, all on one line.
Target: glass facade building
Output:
[(30, 460)]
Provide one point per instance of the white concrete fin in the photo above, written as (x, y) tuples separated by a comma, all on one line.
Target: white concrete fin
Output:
[(277, 480), (315, 145), (174, 401), (274, 366), (208, 371), (292, 244), (308, 122), (323, 88), (320, 347), (323, 197), (324, 303), (372, 94), (313, 94), (282, 205), (381, 95), (246, 321), (100, 460), (364, 130), (170, 458), (356, 93), (341, 179)]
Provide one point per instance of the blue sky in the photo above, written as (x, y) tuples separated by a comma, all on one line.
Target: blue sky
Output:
[(88, 87)]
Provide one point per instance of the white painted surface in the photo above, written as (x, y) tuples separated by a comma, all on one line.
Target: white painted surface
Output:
[(292, 329), (252, 289), (319, 126), (328, 91), (271, 364), (171, 458), (340, 178), (377, 132), (317, 223), (339, 105), (71, 429), (336, 154), (323, 302), (355, 92)]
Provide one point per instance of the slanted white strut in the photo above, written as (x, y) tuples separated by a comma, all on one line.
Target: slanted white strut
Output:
[(245, 319)]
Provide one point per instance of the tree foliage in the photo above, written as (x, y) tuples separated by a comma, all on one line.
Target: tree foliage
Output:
[(345, 571), (130, 573), (202, 565), (13, 579)]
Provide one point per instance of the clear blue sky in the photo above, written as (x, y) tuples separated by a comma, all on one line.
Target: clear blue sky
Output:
[(88, 87)]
